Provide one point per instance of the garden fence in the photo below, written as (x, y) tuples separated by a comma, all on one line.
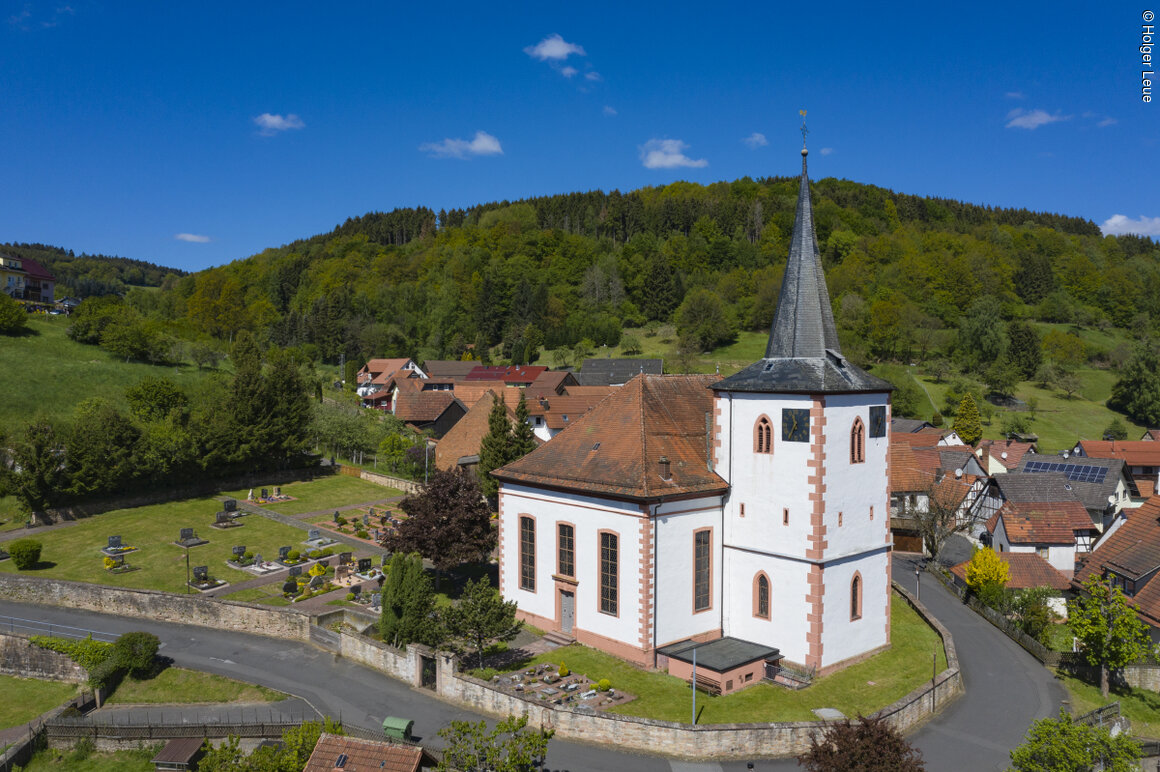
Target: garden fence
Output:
[(29, 627)]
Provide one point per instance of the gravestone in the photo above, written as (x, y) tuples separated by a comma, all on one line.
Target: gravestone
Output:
[(114, 543), (356, 589), (186, 534), (344, 557), (283, 552), (366, 519), (378, 535), (295, 571), (258, 559), (313, 535), (223, 518), (375, 597), (336, 515), (316, 582), (278, 490), (372, 512), (201, 574), (231, 505), (325, 562), (239, 550), (364, 565), (265, 493)]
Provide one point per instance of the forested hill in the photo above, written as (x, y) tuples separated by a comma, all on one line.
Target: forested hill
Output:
[(904, 272), (91, 275)]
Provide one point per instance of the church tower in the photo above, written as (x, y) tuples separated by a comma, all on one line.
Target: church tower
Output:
[(803, 441)]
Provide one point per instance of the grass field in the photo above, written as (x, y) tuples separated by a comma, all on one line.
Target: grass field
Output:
[(51, 760), (325, 493), (26, 698), (1139, 705), (859, 689), (661, 343), (1058, 421), (68, 372), (73, 552), (176, 685), (267, 595)]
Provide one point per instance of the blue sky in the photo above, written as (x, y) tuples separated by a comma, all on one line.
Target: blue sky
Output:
[(195, 134)]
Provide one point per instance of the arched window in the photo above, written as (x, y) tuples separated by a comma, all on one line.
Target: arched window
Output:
[(856, 597), (763, 436), (761, 596), (857, 442)]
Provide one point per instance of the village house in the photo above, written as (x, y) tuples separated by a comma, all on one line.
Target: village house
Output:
[(617, 372), (745, 516), (1141, 459), (1055, 531), (949, 477), (1102, 484), (1002, 456)]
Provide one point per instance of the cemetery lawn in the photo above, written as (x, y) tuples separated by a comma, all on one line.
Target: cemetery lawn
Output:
[(74, 553), (175, 685), (266, 594), (26, 698), (859, 689), (331, 492), (52, 760), (1139, 705)]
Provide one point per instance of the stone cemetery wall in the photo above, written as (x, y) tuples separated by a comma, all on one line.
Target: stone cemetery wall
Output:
[(386, 480), (154, 604), (19, 657)]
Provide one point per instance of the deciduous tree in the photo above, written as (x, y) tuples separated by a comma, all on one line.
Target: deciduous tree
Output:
[(1137, 393), (863, 745), (448, 523), (1105, 622), (1061, 745), (967, 423), (13, 317), (510, 747)]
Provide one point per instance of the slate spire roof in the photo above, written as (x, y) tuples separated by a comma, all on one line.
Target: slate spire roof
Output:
[(803, 354)]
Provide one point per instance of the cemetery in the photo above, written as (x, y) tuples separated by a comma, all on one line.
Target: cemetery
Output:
[(228, 516), (322, 494), (370, 523), (152, 535), (557, 685), (202, 581)]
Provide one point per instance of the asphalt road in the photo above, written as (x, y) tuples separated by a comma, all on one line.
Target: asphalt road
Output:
[(1006, 687)]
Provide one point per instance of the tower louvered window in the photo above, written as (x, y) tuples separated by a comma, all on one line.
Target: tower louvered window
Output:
[(857, 442), (763, 436)]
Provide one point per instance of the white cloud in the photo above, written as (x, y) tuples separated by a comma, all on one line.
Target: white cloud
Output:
[(568, 72), (667, 154), (609, 110), (1118, 225), (1109, 121), (1015, 95), (756, 140), (270, 124), (593, 76), (1032, 119), (481, 144), (826, 150), (192, 238), (553, 48)]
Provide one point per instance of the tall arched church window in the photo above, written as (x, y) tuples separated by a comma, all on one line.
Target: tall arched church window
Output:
[(761, 596), (763, 435), (856, 597), (857, 442)]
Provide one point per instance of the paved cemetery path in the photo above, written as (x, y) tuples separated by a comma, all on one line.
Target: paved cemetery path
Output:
[(294, 522), (348, 507)]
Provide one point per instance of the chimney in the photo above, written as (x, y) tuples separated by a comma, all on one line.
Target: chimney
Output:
[(664, 464)]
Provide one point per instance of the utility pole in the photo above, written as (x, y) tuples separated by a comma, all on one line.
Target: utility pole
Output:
[(694, 686)]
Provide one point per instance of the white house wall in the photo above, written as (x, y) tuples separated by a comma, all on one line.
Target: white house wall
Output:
[(844, 637), (675, 618)]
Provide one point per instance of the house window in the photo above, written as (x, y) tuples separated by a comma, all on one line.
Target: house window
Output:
[(857, 442), (856, 598), (609, 568), (785, 517), (565, 557), (1041, 552), (702, 566), (761, 597), (527, 554), (763, 436)]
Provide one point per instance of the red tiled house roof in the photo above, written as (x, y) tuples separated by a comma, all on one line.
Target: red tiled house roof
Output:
[(1014, 451), (362, 755), (614, 450), (423, 406), (1137, 453), (509, 374), (1033, 522), (1132, 551), (464, 438), (1026, 570), (561, 412)]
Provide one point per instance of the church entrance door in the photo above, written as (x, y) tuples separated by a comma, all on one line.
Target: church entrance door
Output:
[(567, 611)]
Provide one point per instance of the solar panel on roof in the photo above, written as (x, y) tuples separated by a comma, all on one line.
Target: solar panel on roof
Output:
[(1074, 472)]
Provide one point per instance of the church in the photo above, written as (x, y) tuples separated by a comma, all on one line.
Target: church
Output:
[(742, 522)]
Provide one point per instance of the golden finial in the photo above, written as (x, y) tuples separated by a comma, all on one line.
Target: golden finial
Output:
[(805, 131)]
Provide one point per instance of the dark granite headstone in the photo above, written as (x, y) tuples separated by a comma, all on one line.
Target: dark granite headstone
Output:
[(344, 557), (295, 570), (283, 552), (230, 505), (223, 518), (356, 589), (366, 519), (313, 534), (336, 515), (201, 574), (324, 562), (364, 565), (186, 534), (265, 493), (114, 543), (239, 550), (316, 582)]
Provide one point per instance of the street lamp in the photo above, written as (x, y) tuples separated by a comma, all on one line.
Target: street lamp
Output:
[(917, 585)]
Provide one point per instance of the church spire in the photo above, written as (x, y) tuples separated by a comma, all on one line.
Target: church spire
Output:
[(803, 324)]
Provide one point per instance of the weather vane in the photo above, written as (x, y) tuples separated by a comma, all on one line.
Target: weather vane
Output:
[(805, 131)]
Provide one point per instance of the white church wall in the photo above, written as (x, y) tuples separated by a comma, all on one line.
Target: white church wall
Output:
[(852, 489), (842, 636), (787, 625), (675, 617), (588, 515), (767, 484)]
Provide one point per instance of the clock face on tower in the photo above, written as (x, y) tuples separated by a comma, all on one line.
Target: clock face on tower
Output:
[(878, 421), (795, 424)]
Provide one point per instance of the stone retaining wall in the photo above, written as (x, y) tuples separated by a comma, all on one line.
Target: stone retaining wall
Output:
[(161, 606), (20, 657), (386, 480)]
